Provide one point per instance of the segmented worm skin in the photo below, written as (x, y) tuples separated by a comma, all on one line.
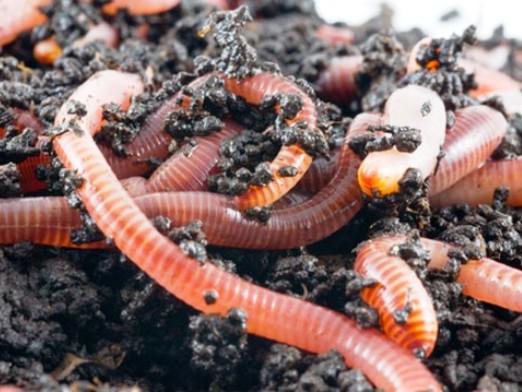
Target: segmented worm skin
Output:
[(269, 314), (477, 133), (254, 89), (20, 16), (334, 35), (416, 107), (319, 174), (485, 279), (337, 82), (189, 171), (397, 288), (479, 186), (288, 227)]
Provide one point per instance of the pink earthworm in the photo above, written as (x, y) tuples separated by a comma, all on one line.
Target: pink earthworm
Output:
[(269, 314), (416, 107)]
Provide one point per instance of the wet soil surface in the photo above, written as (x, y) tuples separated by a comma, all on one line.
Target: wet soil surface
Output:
[(91, 321)]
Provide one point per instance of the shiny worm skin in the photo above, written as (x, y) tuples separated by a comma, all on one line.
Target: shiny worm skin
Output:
[(479, 186), (269, 314), (337, 83), (477, 132), (288, 227), (397, 288), (254, 89), (417, 107)]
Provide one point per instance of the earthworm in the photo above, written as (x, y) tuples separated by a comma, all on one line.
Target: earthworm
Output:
[(484, 279), (479, 186), (319, 174), (189, 171), (254, 89), (477, 133), (288, 227), (337, 82), (417, 107), (48, 50), (397, 289), (20, 16), (335, 35), (269, 314)]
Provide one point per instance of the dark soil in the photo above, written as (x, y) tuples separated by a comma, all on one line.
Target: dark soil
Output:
[(91, 321)]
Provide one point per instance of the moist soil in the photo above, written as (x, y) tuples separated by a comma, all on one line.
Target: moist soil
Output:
[(91, 321)]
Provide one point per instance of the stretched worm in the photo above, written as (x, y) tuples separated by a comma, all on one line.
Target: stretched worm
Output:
[(337, 82), (269, 314), (20, 16), (479, 186), (398, 289), (288, 227), (477, 133), (416, 107)]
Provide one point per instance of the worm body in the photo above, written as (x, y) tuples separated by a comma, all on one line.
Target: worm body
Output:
[(398, 288), (269, 314), (288, 227), (254, 90), (485, 279), (20, 16), (188, 171), (416, 107), (477, 133), (478, 187), (337, 82)]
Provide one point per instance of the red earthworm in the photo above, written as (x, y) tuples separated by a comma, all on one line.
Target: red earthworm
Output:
[(189, 171), (479, 186), (337, 82), (335, 35), (288, 227), (477, 133), (269, 314), (397, 289), (416, 107), (21, 16), (319, 174), (485, 279), (254, 89)]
